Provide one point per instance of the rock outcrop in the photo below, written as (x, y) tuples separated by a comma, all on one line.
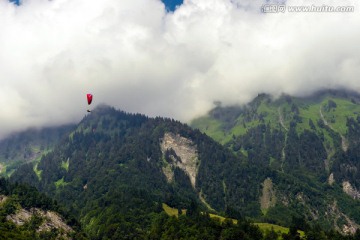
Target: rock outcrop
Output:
[(179, 152), (50, 220)]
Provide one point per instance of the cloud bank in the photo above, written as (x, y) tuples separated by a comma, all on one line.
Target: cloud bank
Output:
[(137, 57)]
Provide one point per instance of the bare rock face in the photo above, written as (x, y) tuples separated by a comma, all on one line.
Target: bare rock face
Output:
[(350, 190), (51, 220), (331, 179), (182, 153), (268, 197), (3, 198), (342, 222), (21, 217)]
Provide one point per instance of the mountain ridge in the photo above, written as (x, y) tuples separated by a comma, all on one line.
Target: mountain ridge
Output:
[(310, 136), (114, 167), (113, 156)]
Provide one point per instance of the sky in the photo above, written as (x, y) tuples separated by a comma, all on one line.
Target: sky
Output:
[(171, 5), (138, 57)]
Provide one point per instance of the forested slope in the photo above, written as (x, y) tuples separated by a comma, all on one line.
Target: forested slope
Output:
[(27, 214), (112, 171), (278, 161), (311, 146)]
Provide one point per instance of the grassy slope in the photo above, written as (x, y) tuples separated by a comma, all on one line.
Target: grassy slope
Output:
[(279, 229), (263, 226), (308, 108), (273, 111), (29, 146), (212, 127)]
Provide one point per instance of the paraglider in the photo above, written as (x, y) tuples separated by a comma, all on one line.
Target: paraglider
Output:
[(89, 100)]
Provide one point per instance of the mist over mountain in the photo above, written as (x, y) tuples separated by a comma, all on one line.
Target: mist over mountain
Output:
[(29, 146), (271, 101), (137, 56)]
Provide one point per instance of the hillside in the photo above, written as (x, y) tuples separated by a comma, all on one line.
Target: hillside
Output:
[(312, 145), (29, 146), (115, 170), (27, 214)]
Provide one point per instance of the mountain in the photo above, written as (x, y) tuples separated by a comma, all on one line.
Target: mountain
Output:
[(311, 143), (116, 169), (275, 160), (29, 146)]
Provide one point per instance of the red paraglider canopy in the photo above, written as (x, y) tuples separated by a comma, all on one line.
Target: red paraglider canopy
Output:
[(89, 98)]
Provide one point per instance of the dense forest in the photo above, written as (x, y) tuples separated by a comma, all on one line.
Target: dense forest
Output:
[(114, 171), (193, 224), (310, 145)]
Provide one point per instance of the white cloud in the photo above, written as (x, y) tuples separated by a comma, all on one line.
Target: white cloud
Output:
[(133, 55)]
